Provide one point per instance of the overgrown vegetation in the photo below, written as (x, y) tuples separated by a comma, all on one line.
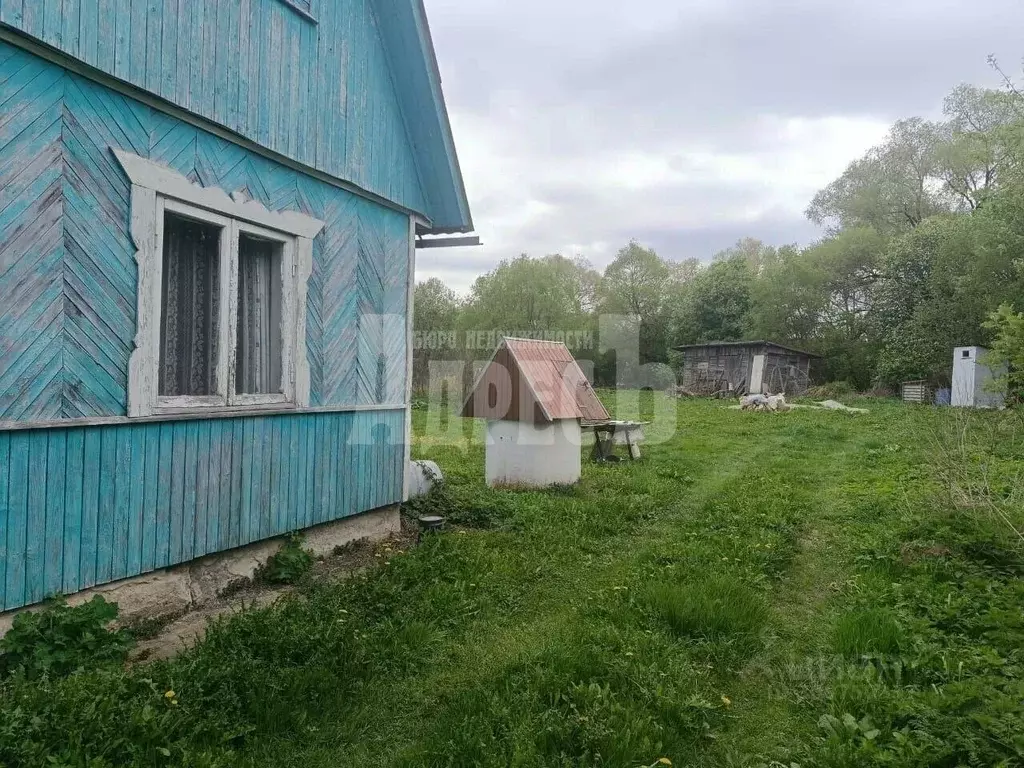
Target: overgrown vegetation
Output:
[(288, 565), (59, 639), (806, 588)]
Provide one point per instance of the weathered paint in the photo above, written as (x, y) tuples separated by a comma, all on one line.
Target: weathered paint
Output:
[(351, 88), (67, 262), (63, 529)]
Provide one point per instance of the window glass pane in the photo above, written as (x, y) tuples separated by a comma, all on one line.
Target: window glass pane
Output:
[(258, 357), (190, 310)]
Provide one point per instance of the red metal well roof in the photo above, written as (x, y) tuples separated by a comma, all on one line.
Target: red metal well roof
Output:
[(550, 374)]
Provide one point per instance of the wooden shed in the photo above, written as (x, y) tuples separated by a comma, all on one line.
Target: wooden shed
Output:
[(745, 367), (207, 239), (534, 396)]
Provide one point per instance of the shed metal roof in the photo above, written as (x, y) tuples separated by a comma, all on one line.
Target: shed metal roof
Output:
[(754, 343), (541, 374)]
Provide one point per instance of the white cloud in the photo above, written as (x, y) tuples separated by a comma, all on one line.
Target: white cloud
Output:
[(684, 123)]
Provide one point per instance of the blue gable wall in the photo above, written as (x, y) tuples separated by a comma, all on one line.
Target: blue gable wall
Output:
[(323, 93), (67, 268)]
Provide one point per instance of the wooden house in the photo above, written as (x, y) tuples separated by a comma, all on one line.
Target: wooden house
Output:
[(745, 367), (534, 396), (209, 211)]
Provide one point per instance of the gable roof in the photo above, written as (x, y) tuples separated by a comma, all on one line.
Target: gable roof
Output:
[(755, 343), (537, 381), (410, 49)]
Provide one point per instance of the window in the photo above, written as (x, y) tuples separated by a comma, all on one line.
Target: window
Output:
[(966, 354), (221, 298), (223, 341)]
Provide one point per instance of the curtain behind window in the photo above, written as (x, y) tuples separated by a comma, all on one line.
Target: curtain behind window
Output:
[(191, 301), (258, 357)]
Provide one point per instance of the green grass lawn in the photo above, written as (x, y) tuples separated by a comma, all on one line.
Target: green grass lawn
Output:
[(811, 588)]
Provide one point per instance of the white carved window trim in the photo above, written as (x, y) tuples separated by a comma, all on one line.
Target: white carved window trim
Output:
[(156, 189)]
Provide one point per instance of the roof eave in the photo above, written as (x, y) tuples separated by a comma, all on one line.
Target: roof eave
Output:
[(441, 106)]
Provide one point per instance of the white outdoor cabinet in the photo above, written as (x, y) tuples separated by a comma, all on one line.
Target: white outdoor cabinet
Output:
[(972, 379), (536, 455)]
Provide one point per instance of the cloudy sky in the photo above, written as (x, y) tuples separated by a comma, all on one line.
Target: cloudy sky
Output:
[(686, 124)]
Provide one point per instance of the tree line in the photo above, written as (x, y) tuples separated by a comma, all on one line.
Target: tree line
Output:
[(923, 250)]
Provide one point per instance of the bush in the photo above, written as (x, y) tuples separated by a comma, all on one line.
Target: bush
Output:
[(59, 639), (288, 565), (714, 608)]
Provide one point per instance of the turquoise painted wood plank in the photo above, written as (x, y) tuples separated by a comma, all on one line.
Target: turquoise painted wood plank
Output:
[(52, 27), (236, 449), (138, 53), (154, 39), (245, 21), (56, 455), (182, 55), (230, 22), (219, 441), (17, 523), (5, 503), (32, 18), (122, 18), (249, 525), (107, 44), (210, 44), (136, 499), (168, 31), (165, 474), (10, 13), (90, 506), (122, 503), (190, 474), (311, 499), (262, 490), (204, 469), (153, 492), (107, 505), (35, 549), (72, 511), (179, 469), (279, 478), (89, 32), (296, 473)]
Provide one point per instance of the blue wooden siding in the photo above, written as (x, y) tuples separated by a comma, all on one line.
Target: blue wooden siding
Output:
[(89, 505), (321, 93), (67, 268)]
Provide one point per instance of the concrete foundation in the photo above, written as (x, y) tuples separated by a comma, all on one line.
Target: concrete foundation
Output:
[(191, 585)]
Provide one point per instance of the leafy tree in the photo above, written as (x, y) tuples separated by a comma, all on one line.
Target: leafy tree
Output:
[(754, 252), (981, 142), (524, 294), (1007, 327), (435, 316), (789, 298), (889, 189), (717, 305), (635, 284)]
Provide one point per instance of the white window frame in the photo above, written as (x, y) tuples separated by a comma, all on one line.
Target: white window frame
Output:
[(157, 190)]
